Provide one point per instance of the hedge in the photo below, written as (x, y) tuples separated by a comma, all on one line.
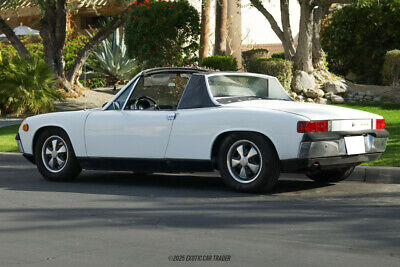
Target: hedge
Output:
[(253, 53), (391, 68), (280, 55), (279, 68), (163, 33), (224, 63)]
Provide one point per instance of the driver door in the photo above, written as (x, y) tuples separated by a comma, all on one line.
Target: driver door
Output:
[(140, 130)]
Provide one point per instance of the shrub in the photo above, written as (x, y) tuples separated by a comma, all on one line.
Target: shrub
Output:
[(26, 86), (279, 68), (280, 55), (111, 60), (391, 68), (33, 44), (93, 82), (74, 42), (253, 53), (357, 37), (163, 33), (224, 63)]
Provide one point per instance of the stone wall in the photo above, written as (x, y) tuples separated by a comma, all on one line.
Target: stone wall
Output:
[(324, 88)]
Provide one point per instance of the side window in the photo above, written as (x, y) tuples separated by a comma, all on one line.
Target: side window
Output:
[(160, 91), (122, 98)]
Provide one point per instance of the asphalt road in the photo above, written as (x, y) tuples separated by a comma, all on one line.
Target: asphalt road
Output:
[(118, 219)]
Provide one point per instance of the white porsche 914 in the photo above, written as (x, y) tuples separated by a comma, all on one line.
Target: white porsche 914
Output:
[(187, 120)]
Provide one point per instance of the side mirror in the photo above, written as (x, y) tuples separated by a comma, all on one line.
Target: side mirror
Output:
[(116, 105)]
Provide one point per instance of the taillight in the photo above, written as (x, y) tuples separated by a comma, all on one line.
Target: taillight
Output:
[(312, 126), (380, 124)]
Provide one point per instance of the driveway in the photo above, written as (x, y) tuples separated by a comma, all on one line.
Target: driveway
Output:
[(118, 219)]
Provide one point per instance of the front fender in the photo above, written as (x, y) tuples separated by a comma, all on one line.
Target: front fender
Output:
[(73, 123)]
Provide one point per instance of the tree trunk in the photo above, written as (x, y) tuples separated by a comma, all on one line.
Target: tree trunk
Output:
[(220, 27), (15, 41), (76, 69), (205, 29), (283, 35), (317, 52), (303, 56), (234, 37), (287, 42), (53, 32)]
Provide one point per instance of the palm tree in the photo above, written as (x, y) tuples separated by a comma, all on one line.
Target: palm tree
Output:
[(205, 29), (26, 86), (220, 27)]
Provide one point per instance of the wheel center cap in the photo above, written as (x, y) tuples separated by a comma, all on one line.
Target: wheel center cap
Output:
[(243, 161), (54, 154)]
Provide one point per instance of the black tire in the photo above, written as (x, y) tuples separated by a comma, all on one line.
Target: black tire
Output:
[(262, 180), (331, 176), (69, 170)]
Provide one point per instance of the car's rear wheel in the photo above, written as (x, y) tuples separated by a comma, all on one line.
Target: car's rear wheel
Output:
[(248, 162), (331, 176), (55, 157)]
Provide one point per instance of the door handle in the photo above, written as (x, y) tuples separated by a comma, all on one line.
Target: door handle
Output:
[(171, 116)]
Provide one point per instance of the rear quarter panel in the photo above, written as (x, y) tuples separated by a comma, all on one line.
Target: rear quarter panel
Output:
[(71, 122), (195, 130)]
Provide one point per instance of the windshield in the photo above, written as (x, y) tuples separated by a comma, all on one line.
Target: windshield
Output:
[(232, 88)]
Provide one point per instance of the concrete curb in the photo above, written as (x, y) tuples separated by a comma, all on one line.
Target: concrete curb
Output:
[(10, 153), (366, 174), (4, 122), (375, 174)]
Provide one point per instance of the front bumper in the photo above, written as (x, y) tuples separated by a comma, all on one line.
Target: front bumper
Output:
[(327, 150), (19, 143), (29, 157)]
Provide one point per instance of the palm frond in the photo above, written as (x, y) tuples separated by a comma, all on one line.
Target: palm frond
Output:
[(27, 86)]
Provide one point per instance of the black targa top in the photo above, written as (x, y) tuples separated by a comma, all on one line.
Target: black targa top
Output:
[(196, 93)]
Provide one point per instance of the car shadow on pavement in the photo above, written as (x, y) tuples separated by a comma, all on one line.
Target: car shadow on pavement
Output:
[(129, 184), (184, 181), (17, 174)]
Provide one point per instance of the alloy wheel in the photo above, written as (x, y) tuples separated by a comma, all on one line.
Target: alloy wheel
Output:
[(54, 154), (244, 161)]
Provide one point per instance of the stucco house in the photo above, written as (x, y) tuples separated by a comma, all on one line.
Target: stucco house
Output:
[(82, 15)]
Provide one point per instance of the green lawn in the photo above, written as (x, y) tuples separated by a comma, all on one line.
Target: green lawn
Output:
[(391, 113), (7, 138)]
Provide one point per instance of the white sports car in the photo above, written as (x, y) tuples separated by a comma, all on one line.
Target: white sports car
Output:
[(187, 120)]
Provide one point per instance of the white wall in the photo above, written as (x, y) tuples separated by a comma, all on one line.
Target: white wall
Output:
[(254, 24), (260, 32)]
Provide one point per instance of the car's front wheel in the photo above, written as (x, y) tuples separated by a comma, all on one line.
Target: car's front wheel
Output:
[(55, 157), (331, 176), (248, 162)]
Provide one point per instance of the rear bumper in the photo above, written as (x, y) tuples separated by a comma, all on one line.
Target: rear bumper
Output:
[(294, 165), (327, 150)]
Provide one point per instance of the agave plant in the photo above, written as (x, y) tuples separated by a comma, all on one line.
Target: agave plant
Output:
[(110, 60), (27, 86)]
